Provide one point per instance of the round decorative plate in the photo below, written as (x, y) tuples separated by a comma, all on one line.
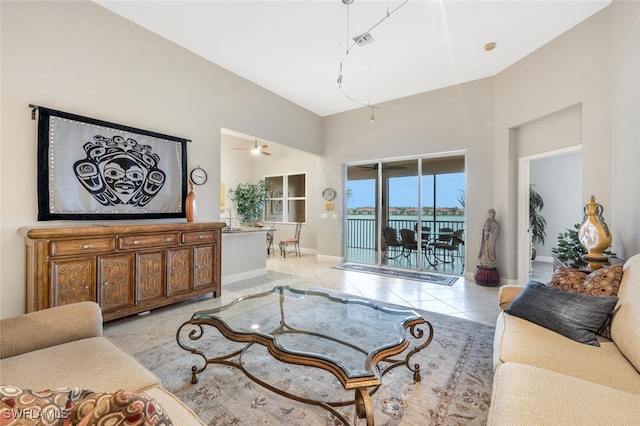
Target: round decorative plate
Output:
[(329, 194)]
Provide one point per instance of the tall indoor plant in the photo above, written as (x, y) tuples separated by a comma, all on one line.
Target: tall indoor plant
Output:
[(537, 222), (249, 199)]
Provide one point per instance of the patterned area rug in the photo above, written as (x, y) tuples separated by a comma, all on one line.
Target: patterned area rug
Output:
[(398, 273), (455, 388)]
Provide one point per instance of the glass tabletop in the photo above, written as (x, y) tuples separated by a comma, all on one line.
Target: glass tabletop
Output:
[(345, 332)]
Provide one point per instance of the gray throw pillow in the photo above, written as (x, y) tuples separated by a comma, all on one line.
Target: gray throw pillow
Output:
[(576, 316)]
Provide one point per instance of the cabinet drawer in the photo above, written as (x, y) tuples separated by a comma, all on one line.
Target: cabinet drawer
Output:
[(199, 237), (149, 240), (89, 245)]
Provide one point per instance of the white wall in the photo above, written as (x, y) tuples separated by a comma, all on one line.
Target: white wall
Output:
[(561, 129), (574, 69), (595, 65), (457, 118), (625, 176), (81, 58), (235, 167), (558, 180)]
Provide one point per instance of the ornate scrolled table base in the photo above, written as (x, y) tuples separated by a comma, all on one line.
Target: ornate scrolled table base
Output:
[(364, 384)]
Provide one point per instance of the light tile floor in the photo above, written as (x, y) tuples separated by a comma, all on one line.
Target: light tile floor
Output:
[(463, 299), (452, 264)]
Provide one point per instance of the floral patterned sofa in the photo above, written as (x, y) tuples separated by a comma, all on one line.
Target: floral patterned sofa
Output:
[(563, 371), (56, 365)]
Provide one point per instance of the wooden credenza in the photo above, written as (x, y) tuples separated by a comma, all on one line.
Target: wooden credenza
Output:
[(126, 269)]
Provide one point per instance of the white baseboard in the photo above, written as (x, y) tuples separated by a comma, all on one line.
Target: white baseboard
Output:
[(544, 259), (327, 258), (276, 250), (228, 279)]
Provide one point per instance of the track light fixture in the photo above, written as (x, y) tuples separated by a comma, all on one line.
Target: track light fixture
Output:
[(361, 40)]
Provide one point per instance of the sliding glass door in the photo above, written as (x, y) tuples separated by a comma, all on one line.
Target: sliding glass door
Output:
[(401, 190), (444, 200), (402, 213), (362, 214)]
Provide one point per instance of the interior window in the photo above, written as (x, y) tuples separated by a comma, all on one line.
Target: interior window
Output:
[(286, 198)]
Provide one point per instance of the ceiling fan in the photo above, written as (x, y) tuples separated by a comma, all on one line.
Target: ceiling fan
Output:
[(256, 149), (385, 167)]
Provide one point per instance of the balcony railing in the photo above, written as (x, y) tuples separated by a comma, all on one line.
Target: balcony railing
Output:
[(361, 232)]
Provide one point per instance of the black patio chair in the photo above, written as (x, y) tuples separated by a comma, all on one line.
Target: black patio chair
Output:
[(451, 246), (391, 242), (409, 242)]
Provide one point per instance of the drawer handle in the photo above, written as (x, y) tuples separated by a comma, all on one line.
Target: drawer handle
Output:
[(136, 242), (105, 284), (87, 246), (168, 239), (200, 237)]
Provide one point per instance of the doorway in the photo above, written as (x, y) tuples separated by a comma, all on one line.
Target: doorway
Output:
[(562, 204), (557, 135)]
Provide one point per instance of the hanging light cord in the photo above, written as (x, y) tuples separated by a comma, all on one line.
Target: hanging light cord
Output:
[(389, 13)]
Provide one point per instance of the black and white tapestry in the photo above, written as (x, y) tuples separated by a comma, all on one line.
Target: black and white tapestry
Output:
[(92, 169)]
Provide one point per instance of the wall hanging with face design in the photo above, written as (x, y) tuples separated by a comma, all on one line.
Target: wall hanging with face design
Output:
[(91, 169), (118, 171)]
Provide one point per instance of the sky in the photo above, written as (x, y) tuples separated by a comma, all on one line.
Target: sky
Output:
[(403, 191)]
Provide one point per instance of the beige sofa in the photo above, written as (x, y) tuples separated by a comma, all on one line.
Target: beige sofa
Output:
[(64, 347), (544, 378)]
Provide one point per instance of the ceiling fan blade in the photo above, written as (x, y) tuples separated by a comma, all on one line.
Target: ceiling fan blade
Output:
[(393, 167), (385, 167), (256, 148)]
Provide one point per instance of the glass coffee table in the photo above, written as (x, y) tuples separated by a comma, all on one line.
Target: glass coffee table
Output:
[(350, 338)]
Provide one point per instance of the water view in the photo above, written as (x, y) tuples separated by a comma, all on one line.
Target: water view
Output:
[(361, 230)]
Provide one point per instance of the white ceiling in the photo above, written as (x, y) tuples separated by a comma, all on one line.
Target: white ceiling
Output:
[(293, 48)]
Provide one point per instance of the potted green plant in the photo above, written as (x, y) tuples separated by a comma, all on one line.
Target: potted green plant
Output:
[(249, 199), (537, 222)]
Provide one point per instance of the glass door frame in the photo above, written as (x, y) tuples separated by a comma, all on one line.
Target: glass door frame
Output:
[(422, 264), (381, 215)]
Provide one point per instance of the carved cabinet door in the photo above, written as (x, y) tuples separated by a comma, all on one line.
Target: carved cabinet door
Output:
[(73, 280), (204, 266), (115, 282), (151, 275), (180, 277)]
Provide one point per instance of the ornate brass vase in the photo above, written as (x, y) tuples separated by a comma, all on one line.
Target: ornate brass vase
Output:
[(594, 233)]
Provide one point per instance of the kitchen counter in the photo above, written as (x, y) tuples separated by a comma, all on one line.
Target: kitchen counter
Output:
[(244, 229), (244, 253)]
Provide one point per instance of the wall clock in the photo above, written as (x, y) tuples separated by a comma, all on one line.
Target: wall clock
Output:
[(198, 176), (329, 194)]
